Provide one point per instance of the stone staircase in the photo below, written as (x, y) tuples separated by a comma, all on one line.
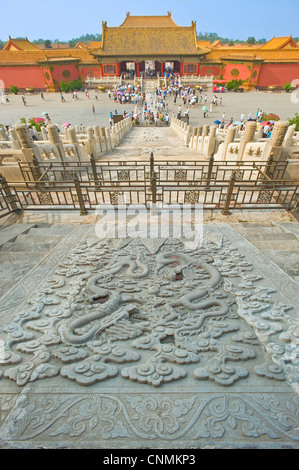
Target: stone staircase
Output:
[(149, 85), (23, 246), (279, 242)]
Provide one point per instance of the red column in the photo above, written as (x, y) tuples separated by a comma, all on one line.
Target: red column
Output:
[(182, 68), (102, 70), (198, 66), (117, 69), (162, 69), (137, 69)]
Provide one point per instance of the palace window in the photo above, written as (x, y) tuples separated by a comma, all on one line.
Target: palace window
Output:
[(109, 69), (190, 69)]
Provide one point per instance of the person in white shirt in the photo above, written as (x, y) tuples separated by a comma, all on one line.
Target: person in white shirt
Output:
[(266, 130)]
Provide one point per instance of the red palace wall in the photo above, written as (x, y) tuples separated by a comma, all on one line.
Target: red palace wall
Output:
[(65, 72), (236, 71), (255, 74), (206, 70), (90, 71), (22, 77), (277, 74)]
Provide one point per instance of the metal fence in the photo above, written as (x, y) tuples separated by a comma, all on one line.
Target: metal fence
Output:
[(83, 186)]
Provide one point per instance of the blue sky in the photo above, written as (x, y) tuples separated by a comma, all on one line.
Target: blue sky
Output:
[(64, 20)]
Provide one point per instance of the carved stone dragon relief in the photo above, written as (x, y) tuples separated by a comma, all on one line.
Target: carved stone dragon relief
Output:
[(154, 312)]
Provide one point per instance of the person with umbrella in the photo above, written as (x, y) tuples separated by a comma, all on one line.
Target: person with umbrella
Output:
[(47, 117)]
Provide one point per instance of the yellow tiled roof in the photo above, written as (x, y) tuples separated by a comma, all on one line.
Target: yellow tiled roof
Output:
[(148, 21), (39, 55), (277, 43), (216, 43), (19, 44), (149, 41), (204, 44), (94, 44)]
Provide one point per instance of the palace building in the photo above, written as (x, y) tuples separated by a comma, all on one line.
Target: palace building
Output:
[(148, 46)]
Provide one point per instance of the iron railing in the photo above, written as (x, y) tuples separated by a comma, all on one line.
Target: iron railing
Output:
[(84, 186)]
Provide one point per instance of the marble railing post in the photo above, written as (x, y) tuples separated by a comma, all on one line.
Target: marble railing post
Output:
[(104, 139), (14, 139), (3, 134), (205, 132), (247, 137), (259, 134), (29, 149), (113, 136), (91, 143), (212, 141), (229, 138), (97, 135), (108, 139), (274, 148), (193, 137), (187, 135), (288, 138), (44, 132), (55, 140), (74, 141)]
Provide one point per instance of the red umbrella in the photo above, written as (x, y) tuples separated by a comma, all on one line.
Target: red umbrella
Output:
[(264, 123), (38, 119)]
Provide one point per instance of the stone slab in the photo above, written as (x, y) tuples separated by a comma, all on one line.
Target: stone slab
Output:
[(290, 227), (146, 343), (11, 232), (286, 260), (279, 245)]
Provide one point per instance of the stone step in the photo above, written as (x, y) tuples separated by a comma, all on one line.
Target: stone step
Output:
[(31, 238), (12, 232), (258, 232), (290, 227), (27, 247), (52, 230)]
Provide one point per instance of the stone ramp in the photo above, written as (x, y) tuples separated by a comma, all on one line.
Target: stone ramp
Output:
[(162, 141), (144, 343)]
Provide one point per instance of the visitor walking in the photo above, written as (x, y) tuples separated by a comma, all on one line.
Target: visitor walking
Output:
[(62, 98), (93, 108)]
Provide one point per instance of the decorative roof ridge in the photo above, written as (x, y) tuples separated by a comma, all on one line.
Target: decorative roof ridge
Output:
[(138, 17)]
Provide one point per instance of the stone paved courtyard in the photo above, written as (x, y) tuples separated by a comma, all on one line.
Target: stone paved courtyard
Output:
[(77, 112), (125, 343)]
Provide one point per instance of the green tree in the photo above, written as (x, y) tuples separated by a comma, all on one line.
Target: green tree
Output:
[(251, 40), (47, 44), (13, 89), (234, 84), (295, 120), (68, 85)]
